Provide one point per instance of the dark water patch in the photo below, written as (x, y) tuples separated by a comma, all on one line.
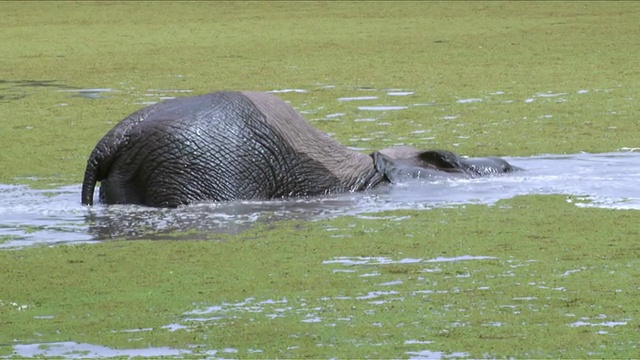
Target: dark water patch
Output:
[(18, 89), (33, 83), (29, 216), (364, 88), (6, 97)]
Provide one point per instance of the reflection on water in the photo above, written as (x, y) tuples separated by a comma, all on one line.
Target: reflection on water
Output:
[(427, 354), (29, 216), (18, 89), (73, 350)]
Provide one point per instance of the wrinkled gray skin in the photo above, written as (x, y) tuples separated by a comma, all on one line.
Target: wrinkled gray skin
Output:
[(245, 145), (403, 163)]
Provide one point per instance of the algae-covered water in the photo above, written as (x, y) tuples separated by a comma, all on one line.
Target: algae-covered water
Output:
[(535, 264)]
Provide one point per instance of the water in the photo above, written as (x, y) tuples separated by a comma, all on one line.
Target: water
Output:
[(72, 350), (29, 216)]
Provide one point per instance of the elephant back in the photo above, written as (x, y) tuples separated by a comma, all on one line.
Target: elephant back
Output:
[(353, 170), (222, 146)]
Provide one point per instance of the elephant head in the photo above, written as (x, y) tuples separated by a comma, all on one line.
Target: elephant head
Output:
[(398, 164), (242, 145)]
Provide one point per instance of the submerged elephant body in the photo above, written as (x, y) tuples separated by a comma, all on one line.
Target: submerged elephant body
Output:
[(243, 145)]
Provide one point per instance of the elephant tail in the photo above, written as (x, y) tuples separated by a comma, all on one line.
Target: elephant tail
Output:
[(90, 179)]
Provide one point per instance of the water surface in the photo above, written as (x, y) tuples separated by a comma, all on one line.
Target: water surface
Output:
[(29, 216)]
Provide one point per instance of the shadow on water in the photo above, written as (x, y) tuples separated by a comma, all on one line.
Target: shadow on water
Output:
[(18, 89), (30, 216)]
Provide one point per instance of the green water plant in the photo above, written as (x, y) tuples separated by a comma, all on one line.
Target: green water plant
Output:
[(529, 277)]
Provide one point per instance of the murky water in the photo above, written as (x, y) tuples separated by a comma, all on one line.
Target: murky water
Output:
[(29, 216)]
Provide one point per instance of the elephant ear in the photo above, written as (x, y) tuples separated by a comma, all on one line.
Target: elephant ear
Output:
[(442, 159), (399, 164)]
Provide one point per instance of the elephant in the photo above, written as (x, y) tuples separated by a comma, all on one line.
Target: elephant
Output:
[(245, 145), (401, 163)]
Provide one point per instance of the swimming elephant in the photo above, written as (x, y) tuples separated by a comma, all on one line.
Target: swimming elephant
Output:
[(244, 145), (399, 164)]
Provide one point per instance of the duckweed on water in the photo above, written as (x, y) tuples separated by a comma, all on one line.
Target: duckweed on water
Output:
[(534, 276), (505, 280), (442, 52)]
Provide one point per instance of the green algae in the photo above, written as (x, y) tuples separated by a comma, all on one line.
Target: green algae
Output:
[(559, 281), (347, 287), (442, 51)]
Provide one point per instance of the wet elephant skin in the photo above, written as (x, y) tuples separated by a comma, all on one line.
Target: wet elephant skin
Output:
[(243, 145)]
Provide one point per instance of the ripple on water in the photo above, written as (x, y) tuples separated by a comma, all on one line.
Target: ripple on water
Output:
[(73, 350), (95, 93), (467, 101), (278, 91), (381, 108), (605, 324), (357, 98), (334, 115), (365, 120), (365, 260), (31, 216), (169, 90), (428, 354), (374, 260), (400, 93)]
